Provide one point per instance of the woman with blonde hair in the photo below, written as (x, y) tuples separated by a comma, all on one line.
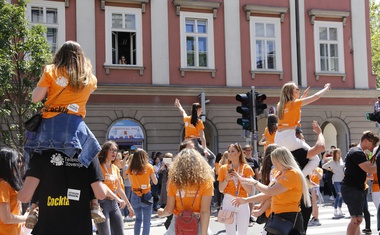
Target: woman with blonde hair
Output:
[(288, 189), (190, 187), (289, 115), (141, 173), (230, 177)]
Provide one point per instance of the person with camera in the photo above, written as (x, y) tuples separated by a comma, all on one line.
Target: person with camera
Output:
[(141, 173), (230, 177)]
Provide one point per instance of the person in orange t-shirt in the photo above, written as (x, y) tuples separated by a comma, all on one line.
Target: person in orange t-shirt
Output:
[(230, 176), (289, 115), (270, 131), (289, 187), (194, 128), (141, 173), (10, 183), (190, 187)]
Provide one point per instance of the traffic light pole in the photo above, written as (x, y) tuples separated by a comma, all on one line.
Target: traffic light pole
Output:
[(254, 136)]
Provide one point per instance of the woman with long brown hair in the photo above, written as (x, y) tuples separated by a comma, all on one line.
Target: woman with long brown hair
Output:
[(141, 173)]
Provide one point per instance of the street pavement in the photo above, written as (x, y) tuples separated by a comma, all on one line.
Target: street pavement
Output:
[(329, 226)]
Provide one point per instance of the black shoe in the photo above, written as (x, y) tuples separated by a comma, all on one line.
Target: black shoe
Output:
[(367, 231)]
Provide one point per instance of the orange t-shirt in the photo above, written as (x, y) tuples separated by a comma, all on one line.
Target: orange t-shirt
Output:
[(288, 201), (69, 101), (192, 131), (314, 178), (188, 194), (141, 179), (233, 188), (9, 195), (292, 115), (269, 138), (216, 168), (111, 178), (375, 183)]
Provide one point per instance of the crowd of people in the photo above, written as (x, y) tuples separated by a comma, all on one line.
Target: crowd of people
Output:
[(72, 182)]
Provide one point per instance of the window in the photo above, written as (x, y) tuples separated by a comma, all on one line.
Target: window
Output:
[(197, 40), (266, 43), (328, 38), (123, 36), (51, 15)]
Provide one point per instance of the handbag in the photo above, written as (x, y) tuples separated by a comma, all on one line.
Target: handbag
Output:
[(262, 219), (146, 198), (34, 122), (186, 222), (225, 216), (280, 226)]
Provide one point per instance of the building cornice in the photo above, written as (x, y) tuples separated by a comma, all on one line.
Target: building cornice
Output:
[(221, 91)]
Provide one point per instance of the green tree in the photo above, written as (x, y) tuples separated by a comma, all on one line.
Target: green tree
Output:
[(24, 51), (375, 39)]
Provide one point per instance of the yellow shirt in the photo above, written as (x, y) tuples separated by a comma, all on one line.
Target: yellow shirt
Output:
[(192, 131), (9, 195), (233, 188), (141, 179), (188, 194), (288, 201), (292, 115), (69, 101)]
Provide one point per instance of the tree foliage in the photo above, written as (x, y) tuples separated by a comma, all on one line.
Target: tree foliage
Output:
[(24, 51), (375, 39)]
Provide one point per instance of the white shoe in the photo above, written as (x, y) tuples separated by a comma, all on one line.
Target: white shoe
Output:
[(332, 198), (128, 219)]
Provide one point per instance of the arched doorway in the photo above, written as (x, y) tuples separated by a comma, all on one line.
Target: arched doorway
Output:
[(336, 133), (127, 133)]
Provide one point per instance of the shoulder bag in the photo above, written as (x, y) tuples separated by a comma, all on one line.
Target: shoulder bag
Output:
[(146, 198), (277, 225), (34, 122)]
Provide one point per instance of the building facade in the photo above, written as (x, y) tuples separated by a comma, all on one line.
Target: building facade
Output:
[(146, 53)]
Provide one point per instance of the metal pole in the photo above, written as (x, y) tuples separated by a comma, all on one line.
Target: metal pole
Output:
[(203, 104), (254, 125)]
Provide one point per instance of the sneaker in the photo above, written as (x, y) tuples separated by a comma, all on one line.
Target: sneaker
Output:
[(332, 198), (367, 231), (127, 219), (97, 214), (314, 222), (32, 219)]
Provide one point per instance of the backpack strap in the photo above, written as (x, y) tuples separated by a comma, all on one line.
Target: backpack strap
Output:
[(180, 198)]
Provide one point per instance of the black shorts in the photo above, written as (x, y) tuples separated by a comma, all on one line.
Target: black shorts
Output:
[(354, 198)]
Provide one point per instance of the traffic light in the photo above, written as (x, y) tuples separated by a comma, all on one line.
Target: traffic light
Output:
[(246, 111), (259, 103)]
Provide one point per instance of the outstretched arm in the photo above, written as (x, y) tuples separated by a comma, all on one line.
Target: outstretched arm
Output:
[(179, 106), (316, 96)]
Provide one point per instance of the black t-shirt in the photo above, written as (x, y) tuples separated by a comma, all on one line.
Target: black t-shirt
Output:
[(300, 155), (64, 193), (252, 163), (354, 176)]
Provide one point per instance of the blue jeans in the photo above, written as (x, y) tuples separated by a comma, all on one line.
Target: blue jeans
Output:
[(66, 133), (339, 199), (128, 193), (143, 213), (113, 216)]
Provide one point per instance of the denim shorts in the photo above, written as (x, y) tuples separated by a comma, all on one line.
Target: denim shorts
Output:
[(354, 198)]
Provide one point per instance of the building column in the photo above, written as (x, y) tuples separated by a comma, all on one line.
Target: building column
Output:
[(86, 29), (160, 45), (233, 45), (359, 43)]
